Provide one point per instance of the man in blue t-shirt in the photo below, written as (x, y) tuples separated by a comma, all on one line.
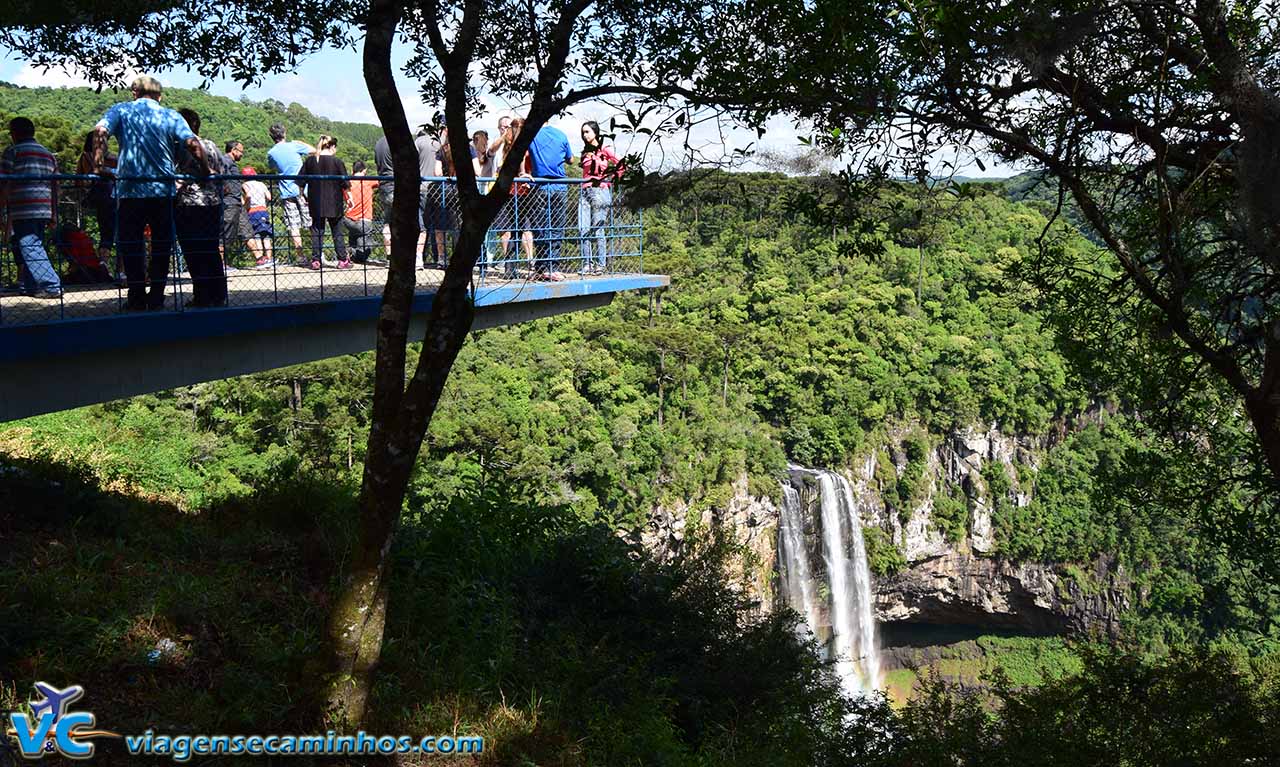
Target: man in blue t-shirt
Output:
[(148, 135), (285, 158), (550, 151)]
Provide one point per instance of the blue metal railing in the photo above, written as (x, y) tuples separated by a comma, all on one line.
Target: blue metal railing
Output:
[(551, 230)]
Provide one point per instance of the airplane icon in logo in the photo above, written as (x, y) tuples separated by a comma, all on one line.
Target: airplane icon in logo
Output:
[(55, 700), (52, 726)]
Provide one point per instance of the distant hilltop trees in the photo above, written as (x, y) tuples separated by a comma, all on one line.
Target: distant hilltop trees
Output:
[(64, 115)]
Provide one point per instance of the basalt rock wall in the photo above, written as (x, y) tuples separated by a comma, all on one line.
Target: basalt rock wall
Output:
[(947, 579)]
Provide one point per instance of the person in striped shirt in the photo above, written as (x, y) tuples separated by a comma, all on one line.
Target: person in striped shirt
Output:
[(31, 205)]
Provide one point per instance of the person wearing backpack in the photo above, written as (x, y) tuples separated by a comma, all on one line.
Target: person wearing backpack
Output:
[(101, 198)]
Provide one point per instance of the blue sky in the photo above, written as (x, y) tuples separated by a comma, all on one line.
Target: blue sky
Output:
[(330, 84)]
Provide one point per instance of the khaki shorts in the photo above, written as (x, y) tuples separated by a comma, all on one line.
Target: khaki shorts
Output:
[(297, 215)]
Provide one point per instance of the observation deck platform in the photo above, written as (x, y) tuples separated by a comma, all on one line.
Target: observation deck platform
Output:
[(83, 347), (102, 355)]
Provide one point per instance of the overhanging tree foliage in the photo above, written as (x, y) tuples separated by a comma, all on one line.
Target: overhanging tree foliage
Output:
[(1159, 119), (104, 41)]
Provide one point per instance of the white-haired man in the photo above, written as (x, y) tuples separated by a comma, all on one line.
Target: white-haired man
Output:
[(148, 134)]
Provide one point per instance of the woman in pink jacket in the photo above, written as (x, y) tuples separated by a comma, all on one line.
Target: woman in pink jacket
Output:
[(595, 197)]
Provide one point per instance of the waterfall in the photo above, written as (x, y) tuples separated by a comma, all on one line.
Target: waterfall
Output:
[(797, 578), (844, 620)]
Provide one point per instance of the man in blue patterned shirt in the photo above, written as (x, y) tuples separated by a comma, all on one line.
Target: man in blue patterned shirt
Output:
[(147, 133)]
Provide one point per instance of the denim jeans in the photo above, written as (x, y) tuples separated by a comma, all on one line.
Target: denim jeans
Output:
[(434, 215), (593, 213), (548, 225), (38, 275), (136, 213)]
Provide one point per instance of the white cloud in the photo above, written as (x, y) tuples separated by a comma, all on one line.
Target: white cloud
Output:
[(335, 98), (30, 76)]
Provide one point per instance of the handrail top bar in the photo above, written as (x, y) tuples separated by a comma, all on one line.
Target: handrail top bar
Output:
[(276, 177)]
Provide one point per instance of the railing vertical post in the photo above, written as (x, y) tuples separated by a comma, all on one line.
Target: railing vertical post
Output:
[(548, 263), (575, 206), (118, 261), (640, 237), (275, 258), (4, 286), (59, 271), (176, 261), (223, 244)]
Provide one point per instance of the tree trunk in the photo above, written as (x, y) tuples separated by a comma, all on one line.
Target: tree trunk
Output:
[(401, 413), (1263, 408), (358, 616), (358, 619)]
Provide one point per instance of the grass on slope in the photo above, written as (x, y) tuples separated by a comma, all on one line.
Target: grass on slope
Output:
[(549, 636)]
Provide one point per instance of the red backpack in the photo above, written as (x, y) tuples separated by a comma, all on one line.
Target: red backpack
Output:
[(83, 265)]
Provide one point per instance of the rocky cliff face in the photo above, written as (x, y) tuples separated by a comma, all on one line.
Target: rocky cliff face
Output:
[(956, 588), (950, 581), (935, 504), (750, 523)]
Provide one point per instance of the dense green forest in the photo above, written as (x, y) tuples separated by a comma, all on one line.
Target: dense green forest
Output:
[(64, 115), (773, 341), (781, 338)]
